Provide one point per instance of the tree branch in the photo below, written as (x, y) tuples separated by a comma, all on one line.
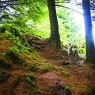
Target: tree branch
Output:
[(68, 8)]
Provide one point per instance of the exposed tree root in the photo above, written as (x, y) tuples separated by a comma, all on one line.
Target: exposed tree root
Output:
[(36, 41)]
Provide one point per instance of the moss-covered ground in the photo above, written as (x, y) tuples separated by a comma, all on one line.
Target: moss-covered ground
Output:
[(26, 71)]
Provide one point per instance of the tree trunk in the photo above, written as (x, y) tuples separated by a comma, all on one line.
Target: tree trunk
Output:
[(55, 37), (90, 50)]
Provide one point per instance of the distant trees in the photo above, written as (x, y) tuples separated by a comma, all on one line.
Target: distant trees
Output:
[(90, 49), (55, 37)]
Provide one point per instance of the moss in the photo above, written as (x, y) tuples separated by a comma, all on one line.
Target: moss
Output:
[(14, 56), (34, 67), (31, 80), (35, 57), (4, 63), (5, 27), (46, 68), (64, 72), (3, 36), (10, 29), (16, 36)]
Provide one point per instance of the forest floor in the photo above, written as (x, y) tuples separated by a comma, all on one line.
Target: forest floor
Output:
[(78, 76), (45, 73)]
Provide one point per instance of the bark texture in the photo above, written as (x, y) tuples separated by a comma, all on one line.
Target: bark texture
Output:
[(90, 49), (55, 37)]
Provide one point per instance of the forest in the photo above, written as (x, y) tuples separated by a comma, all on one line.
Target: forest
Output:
[(43, 48)]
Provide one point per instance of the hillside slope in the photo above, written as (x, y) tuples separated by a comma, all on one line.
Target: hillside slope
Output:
[(26, 71)]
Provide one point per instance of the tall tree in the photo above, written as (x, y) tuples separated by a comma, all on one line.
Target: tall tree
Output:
[(90, 49), (55, 37)]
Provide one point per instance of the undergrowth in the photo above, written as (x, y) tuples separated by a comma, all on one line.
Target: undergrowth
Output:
[(17, 37), (4, 63), (65, 72)]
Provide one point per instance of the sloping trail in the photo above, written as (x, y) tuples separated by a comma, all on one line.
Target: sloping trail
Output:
[(48, 82), (77, 77), (12, 82)]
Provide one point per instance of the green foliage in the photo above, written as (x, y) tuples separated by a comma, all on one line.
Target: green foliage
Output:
[(5, 27), (82, 51), (4, 63), (67, 20), (31, 80), (46, 67), (2, 30), (64, 72), (24, 12), (17, 37), (40, 27), (3, 36), (35, 57), (67, 87), (14, 55), (27, 15), (34, 67), (69, 30), (21, 48), (33, 18)]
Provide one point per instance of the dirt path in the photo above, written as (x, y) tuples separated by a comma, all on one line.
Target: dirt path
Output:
[(12, 85), (77, 77)]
